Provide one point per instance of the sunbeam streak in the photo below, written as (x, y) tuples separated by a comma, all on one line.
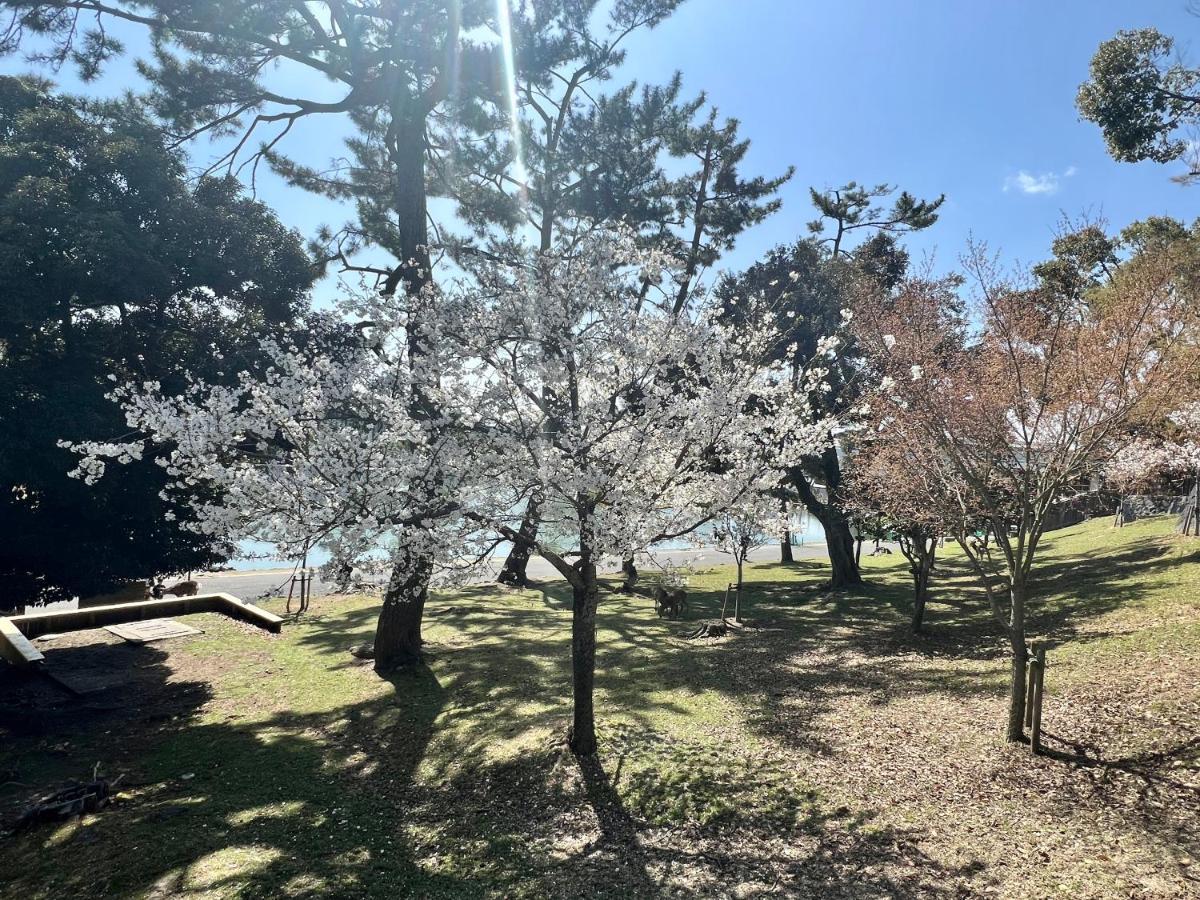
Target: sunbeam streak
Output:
[(504, 21)]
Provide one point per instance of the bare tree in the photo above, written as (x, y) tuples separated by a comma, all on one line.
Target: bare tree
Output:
[(1014, 403)]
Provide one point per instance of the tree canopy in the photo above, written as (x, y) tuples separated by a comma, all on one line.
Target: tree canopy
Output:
[(113, 265), (1142, 99)]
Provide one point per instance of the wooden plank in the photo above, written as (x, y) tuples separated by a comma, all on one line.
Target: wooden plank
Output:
[(248, 612), (15, 647), (1030, 690), (35, 624), (38, 623), (152, 630)]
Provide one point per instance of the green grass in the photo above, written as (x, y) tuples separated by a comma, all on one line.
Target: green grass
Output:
[(827, 751)]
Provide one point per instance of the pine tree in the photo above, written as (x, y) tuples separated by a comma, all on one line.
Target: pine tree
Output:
[(810, 282)]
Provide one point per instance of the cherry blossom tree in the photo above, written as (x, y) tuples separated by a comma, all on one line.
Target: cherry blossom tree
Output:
[(643, 419), (326, 447), (1014, 405), (657, 421), (1170, 453)]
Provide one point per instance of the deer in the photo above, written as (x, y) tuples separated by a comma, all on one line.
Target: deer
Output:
[(183, 589), (670, 602)]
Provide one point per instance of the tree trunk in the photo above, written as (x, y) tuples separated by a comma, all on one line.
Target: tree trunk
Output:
[(582, 736), (921, 564), (629, 570), (517, 565), (840, 544), (1016, 698), (693, 257), (838, 540), (398, 632), (920, 593), (785, 543)]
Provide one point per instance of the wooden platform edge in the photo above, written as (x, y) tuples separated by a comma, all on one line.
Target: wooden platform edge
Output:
[(17, 631), (15, 648)]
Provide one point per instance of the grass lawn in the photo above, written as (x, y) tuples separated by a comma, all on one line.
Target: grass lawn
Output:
[(825, 753)]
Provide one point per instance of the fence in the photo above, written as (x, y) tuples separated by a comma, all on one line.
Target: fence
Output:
[(1143, 506)]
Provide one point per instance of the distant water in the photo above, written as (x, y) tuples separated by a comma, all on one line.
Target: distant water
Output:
[(258, 555)]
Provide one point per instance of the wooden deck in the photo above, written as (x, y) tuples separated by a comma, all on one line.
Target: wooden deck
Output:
[(17, 632)]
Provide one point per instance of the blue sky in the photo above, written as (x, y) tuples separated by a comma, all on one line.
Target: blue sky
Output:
[(937, 96), (971, 99)]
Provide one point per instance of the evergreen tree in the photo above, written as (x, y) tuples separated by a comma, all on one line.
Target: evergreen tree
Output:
[(397, 71), (1143, 100), (808, 284), (111, 265)]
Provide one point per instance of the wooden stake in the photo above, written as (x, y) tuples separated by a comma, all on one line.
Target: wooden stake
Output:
[(1030, 690), (291, 588), (1036, 732)]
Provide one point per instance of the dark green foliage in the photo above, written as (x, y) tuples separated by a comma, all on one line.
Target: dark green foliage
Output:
[(807, 285), (581, 154), (1140, 98), (1084, 257), (401, 71), (852, 206), (713, 203), (112, 267)]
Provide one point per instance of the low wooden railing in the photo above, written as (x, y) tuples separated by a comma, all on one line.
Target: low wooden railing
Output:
[(17, 632)]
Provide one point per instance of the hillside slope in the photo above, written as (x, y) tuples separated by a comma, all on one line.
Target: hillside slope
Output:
[(825, 752)]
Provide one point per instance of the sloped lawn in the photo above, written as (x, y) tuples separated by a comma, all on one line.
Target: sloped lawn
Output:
[(825, 752)]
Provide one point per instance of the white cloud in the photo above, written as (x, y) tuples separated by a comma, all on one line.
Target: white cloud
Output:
[(1042, 183)]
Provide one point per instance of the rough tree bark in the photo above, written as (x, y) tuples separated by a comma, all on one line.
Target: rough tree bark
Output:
[(630, 573), (1016, 700), (839, 541), (398, 631), (585, 595), (840, 544), (920, 595), (515, 570), (785, 542), (919, 550), (582, 736)]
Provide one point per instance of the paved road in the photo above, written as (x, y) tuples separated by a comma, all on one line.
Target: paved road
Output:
[(265, 582)]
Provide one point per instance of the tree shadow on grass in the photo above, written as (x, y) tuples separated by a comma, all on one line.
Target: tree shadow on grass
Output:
[(330, 804), (1146, 787), (654, 816), (398, 794), (1069, 592), (258, 805)]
